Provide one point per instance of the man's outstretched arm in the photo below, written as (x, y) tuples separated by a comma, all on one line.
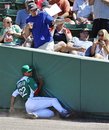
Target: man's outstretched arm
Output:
[(14, 94), (12, 104)]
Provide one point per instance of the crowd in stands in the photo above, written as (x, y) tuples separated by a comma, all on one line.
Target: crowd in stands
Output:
[(35, 27)]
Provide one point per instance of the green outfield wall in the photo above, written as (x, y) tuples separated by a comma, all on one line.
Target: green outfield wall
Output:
[(80, 83)]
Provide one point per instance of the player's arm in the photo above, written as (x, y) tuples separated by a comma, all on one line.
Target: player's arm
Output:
[(14, 94), (40, 84), (12, 104)]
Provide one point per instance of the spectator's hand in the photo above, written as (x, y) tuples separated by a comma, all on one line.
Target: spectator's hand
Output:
[(10, 32), (64, 30), (68, 20), (102, 43), (83, 20), (30, 25), (8, 37), (82, 49), (96, 41)]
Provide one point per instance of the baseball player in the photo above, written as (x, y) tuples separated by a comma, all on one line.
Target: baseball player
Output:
[(36, 107)]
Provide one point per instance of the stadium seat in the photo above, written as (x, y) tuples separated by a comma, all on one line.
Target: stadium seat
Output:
[(11, 13), (75, 29), (4, 2), (19, 4)]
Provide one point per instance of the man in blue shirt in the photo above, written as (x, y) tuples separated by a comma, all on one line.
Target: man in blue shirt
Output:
[(38, 23)]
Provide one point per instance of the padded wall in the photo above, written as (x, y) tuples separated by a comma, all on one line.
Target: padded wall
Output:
[(94, 86), (61, 75)]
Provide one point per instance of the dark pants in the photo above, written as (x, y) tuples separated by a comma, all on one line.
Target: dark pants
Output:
[(99, 24)]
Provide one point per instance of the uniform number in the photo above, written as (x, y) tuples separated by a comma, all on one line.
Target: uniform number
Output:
[(22, 91)]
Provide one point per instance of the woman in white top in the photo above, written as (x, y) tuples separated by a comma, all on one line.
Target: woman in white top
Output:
[(100, 48)]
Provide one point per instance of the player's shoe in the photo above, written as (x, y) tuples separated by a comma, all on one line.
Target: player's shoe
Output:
[(31, 116), (65, 115)]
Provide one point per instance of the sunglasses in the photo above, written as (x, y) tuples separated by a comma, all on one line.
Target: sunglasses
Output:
[(33, 10), (9, 22), (85, 32), (100, 35)]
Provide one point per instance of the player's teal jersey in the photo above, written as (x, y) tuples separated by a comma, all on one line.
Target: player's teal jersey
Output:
[(26, 87)]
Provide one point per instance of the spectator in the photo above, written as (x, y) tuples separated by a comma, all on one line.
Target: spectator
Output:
[(100, 48), (22, 15), (39, 3), (10, 34), (39, 23), (61, 37), (40, 29), (101, 15), (64, 6), (36, 106), (82, 45), (82, 12)]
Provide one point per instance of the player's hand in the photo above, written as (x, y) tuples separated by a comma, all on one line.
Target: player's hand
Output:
[(11, 110)]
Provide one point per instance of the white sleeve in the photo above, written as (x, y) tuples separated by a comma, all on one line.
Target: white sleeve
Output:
[(15, 93)]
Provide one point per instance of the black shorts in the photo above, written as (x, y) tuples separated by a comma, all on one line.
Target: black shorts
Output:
[(99, 24)]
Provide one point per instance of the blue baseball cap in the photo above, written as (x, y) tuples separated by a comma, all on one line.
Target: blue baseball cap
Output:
[(32, 6)]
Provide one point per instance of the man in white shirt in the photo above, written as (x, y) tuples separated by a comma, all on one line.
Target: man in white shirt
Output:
[(81, 10), (81, 46), (101, 14)]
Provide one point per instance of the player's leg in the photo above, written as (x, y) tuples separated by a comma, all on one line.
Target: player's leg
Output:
[(34, 110), (38, 103), (53, 102), (44, 113), (45, 102)]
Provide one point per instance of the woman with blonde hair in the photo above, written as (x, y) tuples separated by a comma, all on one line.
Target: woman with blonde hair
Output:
[(100, 48)]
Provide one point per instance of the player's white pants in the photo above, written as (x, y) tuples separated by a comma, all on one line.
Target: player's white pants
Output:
[(39, 106)]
